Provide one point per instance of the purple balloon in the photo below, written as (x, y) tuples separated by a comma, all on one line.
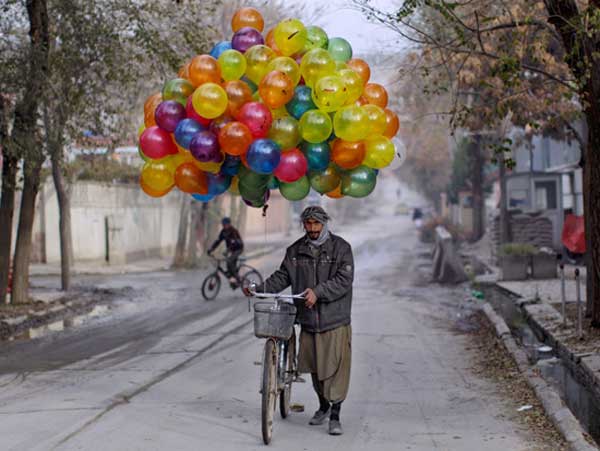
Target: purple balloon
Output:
[(258, 204), (205, 146), (168, 114), (245, 38)]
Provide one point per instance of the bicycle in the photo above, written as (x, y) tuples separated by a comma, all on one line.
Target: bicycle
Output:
[(275, 322), (212, 283)]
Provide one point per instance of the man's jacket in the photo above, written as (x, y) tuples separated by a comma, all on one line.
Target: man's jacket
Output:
[(232, 239), (330, 275)]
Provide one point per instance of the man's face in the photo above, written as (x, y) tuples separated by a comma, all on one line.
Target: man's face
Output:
[(226, 226), (313, 228)]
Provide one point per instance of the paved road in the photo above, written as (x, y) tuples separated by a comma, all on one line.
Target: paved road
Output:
[(169, 372)]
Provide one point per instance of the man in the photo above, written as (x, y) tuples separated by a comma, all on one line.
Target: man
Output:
[(320, 266), (235, 247)]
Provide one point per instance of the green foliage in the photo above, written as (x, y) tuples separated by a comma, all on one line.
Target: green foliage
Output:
[(102, 169), (517, 249)]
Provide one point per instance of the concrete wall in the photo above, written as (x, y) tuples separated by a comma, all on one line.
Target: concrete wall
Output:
[(116, 219)]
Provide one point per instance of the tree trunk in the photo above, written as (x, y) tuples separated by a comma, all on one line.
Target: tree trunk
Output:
[(192, 248), (184, 214), (476, 160), (591, 200), (505, 235), (64, 211), (26, 138), (25, 231), (7, 208)]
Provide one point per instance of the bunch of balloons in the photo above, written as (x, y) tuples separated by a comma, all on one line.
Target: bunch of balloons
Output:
[(290, 110)]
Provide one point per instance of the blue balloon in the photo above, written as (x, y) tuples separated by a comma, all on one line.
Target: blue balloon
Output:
[(273, 183), (185, 131), (203, 197), (317, 155), (301, 102), (263, 156), (218, 184), (220, 48), (231, 165)]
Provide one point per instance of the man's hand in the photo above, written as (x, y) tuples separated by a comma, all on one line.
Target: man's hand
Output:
[(247, 292), (310, 298)]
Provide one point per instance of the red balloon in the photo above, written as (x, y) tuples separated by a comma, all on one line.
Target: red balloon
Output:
[(191, 113), (157, 143), (292, 166), (257, 117)]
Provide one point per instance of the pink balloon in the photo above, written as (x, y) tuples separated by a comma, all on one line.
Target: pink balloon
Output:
[(157, 143), (191, 113), (257, 117), (292, 166)]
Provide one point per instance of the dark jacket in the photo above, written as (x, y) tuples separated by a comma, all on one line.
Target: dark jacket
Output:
[(232, 239), (330, 275)]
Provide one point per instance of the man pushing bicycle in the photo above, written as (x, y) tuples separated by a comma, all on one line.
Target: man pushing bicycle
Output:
[(320, 266)]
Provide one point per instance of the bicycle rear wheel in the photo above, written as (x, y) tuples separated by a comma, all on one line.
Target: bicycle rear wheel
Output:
[(211, 286), (290, 371), (269, 390), (248, 275)]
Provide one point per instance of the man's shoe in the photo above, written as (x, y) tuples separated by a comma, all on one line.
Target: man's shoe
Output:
[(319, 417), (335, 427)]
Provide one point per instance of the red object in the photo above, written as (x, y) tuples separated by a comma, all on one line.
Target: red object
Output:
[(573, 234), (9, 288)]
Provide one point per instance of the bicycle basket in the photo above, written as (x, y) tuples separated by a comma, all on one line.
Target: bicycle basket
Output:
[(275, 321)]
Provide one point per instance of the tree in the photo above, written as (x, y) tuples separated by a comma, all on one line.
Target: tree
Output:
[(549, 56)]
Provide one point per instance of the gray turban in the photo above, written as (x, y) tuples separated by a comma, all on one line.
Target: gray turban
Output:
[(314, 212)]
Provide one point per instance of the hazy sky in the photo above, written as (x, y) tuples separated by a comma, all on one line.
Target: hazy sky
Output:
[(340, 20)]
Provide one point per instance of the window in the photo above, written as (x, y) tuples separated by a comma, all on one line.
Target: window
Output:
[(545, 195)]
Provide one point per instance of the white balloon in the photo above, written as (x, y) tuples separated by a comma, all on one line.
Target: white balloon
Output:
[(400, 156)]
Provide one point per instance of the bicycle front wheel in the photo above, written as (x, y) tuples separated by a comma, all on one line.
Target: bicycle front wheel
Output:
[(211, 286), (288, 377), (269, 390)]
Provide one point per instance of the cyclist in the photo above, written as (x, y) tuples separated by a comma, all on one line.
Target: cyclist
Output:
[(235, 247), (320, 266)]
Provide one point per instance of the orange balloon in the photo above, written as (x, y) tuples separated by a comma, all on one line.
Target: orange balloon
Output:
[(270, 41), (361, 101), (149, 107), (276, 89), (347, 154), (247, 17), (336, 193), (184, 71), (235, 138), (392, 123), (238, 93), (151, 191), (190, 179), (204, 69), (361, 68), (376, 94)]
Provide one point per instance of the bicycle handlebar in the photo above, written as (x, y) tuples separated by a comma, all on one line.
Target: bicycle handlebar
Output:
[(277, 296)]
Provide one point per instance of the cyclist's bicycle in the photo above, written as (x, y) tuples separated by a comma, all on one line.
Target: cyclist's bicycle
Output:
[(275, 322), (212, 283)]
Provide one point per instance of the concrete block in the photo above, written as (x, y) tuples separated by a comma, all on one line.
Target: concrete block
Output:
[(56, 326), (75, 321), (14, 321), (98, 310)]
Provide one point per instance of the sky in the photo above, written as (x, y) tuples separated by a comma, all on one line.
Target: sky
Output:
[(343, 21)]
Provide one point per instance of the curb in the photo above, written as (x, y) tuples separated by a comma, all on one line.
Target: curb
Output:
[(54, 326), (553, 405)]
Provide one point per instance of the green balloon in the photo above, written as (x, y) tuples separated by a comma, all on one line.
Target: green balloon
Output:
[(316, 38), (340, 49), (252, 180), (359, 182), (273, 183), (297, 190), (178, 89), (285, 132), (324, 181)]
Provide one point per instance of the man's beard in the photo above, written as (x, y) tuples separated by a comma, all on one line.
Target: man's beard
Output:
[(313, 235)]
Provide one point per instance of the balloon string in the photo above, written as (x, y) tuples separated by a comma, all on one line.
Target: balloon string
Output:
[(264, 215)]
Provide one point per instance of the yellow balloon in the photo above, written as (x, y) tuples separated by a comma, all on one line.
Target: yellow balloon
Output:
[(316, 63), (354, 85), (329, 93), (211, 167), (257, 60), (351, 123), (380, 152), (315, 126), (233, 65), (377, 119), (234, 187), (157, 175), (209, 100), (279, 113), (290, 36), (286, 65), (141, 129)]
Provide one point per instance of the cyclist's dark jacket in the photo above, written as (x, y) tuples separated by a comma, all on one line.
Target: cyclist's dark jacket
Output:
[(232, 238), (330, 275)]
